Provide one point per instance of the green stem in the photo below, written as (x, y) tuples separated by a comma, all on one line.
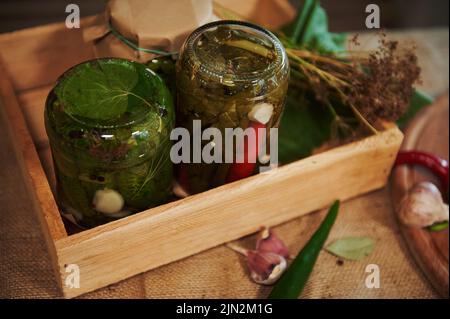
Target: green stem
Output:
[(294, 279), (302, 21), (331, 109), (358, 114), (251, 47), (327, 77), (297, 74), (152, 171), (363, 119)]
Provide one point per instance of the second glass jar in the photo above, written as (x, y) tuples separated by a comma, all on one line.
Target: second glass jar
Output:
[(228, 73)]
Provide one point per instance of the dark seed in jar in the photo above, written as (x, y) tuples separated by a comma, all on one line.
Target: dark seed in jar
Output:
[(76, 134), (162, 111)]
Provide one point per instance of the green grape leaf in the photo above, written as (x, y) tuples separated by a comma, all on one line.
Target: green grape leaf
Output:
[(303, 128), (418, 101), (310, 29), (352, 248), (101, 89)]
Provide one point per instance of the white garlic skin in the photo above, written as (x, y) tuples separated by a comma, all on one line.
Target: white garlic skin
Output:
[(262, 269), (108, 201), (423, 206), (277, 271)]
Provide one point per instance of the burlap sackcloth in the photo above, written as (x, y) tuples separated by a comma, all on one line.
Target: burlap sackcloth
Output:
[(25, 269)]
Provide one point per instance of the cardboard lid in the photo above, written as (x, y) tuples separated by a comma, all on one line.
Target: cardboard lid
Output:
[(164, 25), (158, 24)]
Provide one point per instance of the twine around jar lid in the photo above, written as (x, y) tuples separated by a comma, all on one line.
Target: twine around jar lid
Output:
[(134, 46)]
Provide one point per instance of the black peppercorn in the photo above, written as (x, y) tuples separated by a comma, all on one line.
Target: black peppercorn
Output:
[(76, 134), (162, 112)]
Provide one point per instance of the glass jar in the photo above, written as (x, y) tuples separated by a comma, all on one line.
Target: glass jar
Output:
[(228, 71), (108, 122)]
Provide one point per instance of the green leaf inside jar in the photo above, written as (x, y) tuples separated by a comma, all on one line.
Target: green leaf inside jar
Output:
[(106, 91)]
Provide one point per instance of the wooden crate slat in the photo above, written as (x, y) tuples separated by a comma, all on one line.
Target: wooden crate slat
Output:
[(34, 174), (38, 56)]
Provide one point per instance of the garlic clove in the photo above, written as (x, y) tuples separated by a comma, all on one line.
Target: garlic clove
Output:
[(423, 206), (269, 242), (179, 191), (265, 268), (261, 113), (108, 201)]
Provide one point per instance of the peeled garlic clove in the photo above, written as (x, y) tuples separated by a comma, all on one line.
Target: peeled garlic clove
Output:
[(261, 113), (108, 201), (265, 268), (269, 242), (423, 206)]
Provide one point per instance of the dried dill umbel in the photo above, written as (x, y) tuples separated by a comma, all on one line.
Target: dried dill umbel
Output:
[(383, 83), (358, 87)]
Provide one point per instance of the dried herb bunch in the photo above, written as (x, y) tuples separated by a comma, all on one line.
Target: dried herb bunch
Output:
[(373, 85), (385, 89), (335, 94)]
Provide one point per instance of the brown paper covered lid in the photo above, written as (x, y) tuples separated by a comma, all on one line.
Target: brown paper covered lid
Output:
[(158, 24), (163, 25)]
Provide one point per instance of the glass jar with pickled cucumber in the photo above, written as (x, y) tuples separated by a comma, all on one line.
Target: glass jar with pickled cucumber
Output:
[(230, 74), (108, 122)]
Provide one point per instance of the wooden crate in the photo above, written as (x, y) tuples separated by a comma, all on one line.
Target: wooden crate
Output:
[(32, 59)]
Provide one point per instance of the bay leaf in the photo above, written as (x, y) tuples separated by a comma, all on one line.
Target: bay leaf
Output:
[(352, 248)]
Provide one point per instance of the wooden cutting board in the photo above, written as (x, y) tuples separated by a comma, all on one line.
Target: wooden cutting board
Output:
[(428, 131)]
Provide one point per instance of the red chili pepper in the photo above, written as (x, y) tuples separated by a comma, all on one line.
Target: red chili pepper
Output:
[(437, 165), (183, 177), (239, 171)]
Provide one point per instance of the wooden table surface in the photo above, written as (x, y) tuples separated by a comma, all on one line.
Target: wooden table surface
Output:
[(369, 214)]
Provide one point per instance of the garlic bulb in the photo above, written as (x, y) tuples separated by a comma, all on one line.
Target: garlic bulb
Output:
[(265, 268), (108, 201), (423, 206), (268, 261), (269, 242)]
